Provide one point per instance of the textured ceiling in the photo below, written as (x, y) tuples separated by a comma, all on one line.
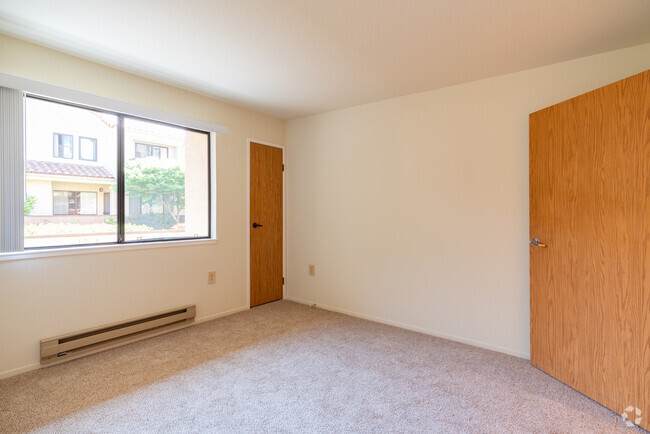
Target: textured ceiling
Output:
[(291, 58)]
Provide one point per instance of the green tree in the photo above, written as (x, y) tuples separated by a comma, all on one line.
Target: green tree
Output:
[(157, 183), (30, 201)]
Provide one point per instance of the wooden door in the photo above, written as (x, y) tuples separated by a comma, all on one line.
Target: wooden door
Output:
[(590, 205), (266, 169)]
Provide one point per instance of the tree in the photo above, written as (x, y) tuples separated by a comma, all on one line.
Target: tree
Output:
[(30, 201), (166, 184)]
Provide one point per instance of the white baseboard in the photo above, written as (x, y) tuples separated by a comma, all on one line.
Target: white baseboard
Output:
[(34, 366), (18, 371), (219, 315), (417, 329)]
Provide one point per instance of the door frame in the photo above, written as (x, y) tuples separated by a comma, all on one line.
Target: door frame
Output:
[(248, 217)]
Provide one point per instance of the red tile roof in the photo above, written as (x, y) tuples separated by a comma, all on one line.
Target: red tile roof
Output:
[(64, 169)]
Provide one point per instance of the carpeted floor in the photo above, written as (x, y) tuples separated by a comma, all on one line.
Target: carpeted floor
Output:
[(291, 368)]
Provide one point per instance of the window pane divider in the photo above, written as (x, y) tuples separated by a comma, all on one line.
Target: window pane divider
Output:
[(121, 210)]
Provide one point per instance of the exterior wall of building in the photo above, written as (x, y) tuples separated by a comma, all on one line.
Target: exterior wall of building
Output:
[(42, 191), (150, 133), (45, 118), (196, 184)]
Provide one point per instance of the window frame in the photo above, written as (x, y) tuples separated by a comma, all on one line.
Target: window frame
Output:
[(94, 142), (57, 93), (56, 144), (121, 161)]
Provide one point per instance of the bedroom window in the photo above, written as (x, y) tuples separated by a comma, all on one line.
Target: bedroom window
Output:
[(148, 192)]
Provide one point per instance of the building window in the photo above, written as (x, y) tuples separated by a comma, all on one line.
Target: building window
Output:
[(144, 150), (145, 194), (75, 203), (63, 145), (87, 149)]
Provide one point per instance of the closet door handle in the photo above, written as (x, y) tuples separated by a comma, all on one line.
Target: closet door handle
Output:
[(255, 226)]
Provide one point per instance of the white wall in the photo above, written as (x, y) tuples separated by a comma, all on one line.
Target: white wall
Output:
[(44, 297), (415, 209), (42, 190)]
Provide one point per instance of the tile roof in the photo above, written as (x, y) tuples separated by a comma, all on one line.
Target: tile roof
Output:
[(65, 169)]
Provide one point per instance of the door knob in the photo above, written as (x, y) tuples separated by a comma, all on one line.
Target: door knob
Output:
[(535, 242), (255, 226)]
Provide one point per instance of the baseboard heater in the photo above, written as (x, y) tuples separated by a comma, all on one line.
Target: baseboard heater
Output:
[(90, 341)]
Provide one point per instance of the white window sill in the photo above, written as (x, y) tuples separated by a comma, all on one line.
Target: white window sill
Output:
[(67, 251)]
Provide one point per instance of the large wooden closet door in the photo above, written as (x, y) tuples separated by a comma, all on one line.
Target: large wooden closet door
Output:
[(590, 205), (266, 278)]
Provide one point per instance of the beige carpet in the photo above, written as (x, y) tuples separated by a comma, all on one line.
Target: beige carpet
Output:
[(291, 368)]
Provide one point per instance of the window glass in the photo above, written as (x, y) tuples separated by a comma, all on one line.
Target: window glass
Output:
[(62, 145), (143, 150), (60, 203), (75, 203), (61, 206), (87, 149), (165, 175), (88, 203), (166, 181)]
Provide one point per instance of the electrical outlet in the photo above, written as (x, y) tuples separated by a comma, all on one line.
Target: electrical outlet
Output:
[(212, 277), (312, 270)]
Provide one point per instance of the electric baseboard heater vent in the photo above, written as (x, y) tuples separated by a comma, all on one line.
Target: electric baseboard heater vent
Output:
[(90, 341)]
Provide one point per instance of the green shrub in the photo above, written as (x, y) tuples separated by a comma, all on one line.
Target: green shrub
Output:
[(30, 201), (157, 221)]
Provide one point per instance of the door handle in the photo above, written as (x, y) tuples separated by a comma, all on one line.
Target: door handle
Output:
[(535, 242), (255, 226)]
